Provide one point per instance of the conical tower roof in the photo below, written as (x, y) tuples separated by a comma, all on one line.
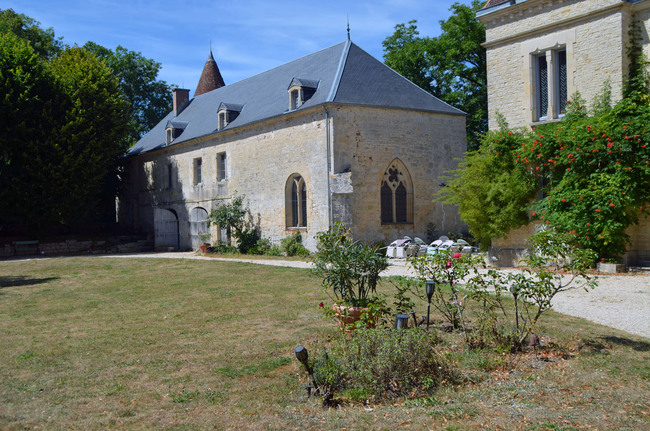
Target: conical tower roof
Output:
[(210, 77)]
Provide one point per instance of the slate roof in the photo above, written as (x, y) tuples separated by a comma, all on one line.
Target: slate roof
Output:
[(344, 72)]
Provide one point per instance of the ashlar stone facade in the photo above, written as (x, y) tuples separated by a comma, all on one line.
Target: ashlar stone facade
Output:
[(539, 54), (360, 131)]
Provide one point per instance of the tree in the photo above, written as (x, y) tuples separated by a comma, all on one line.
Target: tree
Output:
[(232, 215), (491, 191), (90, 138), (28, 109), (451, 66), (150, 99), (43, 41), (406, 53)]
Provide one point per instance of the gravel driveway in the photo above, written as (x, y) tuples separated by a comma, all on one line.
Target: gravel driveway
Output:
[(619, 301)]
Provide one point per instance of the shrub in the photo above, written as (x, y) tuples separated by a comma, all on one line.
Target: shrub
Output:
[(262, 246), (292, 245), (555, 264), (222, 247), (376, 364), (349, 270), (246, 240)]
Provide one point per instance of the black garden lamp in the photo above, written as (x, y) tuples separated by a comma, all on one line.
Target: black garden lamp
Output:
[(431, 288), (401, 321), (303, 356)]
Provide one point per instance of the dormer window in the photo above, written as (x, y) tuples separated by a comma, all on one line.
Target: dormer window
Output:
[(227, 113), (173, 130), (300, 91)]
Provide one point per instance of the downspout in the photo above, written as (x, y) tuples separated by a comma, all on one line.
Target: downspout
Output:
[(329, 168)]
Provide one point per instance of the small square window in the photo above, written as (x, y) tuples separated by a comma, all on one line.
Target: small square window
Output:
[(198, 171), (222, 174)]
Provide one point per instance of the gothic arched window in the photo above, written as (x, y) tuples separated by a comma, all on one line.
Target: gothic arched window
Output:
[(296, 201), (396, 194)]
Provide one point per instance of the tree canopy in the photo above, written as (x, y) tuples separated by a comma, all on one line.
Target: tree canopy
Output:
[(150, 99), (68, 116), (451, 66), (43, 41)]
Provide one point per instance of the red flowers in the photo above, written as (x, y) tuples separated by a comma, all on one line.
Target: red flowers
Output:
[(321, 305), (456, 255)]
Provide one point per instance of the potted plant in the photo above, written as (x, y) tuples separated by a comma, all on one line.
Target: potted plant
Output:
[(350, 273), (205, 241)]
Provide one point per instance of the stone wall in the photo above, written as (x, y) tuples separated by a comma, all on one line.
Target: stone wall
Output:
[(262, 157), (508, 250), (74, 247), (593, 32), (367, 140)]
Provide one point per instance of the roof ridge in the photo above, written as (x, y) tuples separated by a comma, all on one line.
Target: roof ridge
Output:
[(339, 71)]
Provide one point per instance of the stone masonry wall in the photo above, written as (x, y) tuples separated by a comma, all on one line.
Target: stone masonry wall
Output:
[(262, 157), (367, 140), (594, 32)]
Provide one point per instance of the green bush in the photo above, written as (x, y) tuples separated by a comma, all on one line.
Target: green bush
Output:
[(246, 240), (349, 270), (275, 250), (222, 247), (380, 364), (292, 245), (262, 246)]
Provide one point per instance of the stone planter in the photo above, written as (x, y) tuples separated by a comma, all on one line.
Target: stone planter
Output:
[(611, 268)]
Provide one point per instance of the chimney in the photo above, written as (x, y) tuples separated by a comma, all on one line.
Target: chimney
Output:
[(181, 99)]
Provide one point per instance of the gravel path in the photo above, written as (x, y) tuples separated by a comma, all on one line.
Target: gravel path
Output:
[(619, 301)]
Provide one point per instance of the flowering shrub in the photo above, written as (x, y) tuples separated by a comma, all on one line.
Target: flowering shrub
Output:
[(446, 269), (596, 172)]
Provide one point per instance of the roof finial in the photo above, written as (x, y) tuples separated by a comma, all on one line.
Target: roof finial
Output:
[(348, 27)]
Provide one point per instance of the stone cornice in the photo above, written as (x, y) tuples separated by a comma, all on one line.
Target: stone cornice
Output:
[(549, 27)]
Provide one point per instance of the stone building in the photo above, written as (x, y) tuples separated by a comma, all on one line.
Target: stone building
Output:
[(332, 136), (539, 53)]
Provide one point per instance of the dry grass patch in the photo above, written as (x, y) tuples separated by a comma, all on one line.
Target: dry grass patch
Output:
[(101, 343)]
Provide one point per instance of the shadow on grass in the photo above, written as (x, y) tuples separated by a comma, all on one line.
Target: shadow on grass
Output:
[(21, 280), (639, 346)]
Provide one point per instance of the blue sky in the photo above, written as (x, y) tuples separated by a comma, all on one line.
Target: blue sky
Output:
[(247, 36)]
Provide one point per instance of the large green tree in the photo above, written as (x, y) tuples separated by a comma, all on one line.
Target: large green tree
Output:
[(64, 136), (43, 41), (68, 115), (90, 137), (150, 98), (28, 112), (451, 66)]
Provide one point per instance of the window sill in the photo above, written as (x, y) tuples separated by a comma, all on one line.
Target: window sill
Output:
[(296, 228), (396, 223), (541, 122)]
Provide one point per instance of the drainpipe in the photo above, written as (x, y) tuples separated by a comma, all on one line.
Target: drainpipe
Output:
[(329, 168)]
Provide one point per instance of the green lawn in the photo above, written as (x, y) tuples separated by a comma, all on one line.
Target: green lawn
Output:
[(99, 343)]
